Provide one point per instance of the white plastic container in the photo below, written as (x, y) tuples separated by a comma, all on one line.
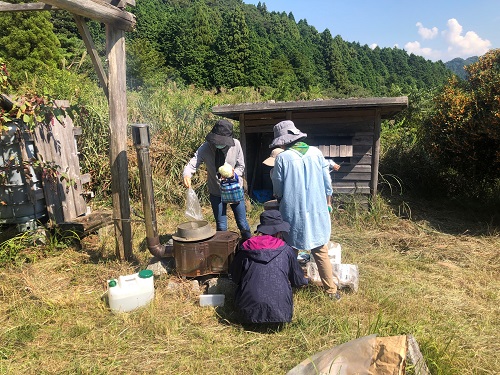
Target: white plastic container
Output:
[(334, 253), (212, 299), (129, 292)]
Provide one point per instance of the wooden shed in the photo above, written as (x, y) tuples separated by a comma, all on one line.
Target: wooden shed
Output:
[(347, 131)]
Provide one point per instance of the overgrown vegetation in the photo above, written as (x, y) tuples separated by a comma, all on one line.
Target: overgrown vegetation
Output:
[(446, 145)]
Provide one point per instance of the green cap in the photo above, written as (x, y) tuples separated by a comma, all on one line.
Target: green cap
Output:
[(112, 283), (144, 274)]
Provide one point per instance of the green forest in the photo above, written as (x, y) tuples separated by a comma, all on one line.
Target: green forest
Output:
[(223, 44), (225, 51)]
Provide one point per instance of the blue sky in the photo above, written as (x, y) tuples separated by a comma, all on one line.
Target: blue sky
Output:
[(436, 30)]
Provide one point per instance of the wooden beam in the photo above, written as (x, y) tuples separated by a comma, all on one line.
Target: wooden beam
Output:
[(8, 7), (121, 3), (115, 45), (94, 56), (98, 10)]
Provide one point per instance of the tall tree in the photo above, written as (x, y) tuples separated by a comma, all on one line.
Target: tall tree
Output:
[(195, 34), (464, 133), (28, 43), (232, 49), (337, 72)]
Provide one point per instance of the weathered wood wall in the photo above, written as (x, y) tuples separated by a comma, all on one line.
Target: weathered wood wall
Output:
[(56, 146), (322, 127)]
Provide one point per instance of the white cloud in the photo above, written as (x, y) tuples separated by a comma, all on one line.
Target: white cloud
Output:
[(448, 44), (373, 45), (426, 33), (417, 49), (466, 45)]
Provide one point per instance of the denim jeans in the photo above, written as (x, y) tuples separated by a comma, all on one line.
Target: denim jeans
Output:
[(240, 215)]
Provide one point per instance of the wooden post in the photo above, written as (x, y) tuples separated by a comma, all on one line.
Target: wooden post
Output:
[(375, 155), (115, 44)]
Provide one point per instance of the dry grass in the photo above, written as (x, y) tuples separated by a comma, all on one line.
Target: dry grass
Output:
[(414, 278)]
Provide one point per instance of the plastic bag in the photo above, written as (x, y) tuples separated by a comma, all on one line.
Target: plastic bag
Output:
[(344, 275), (347, 275), (193, 208)]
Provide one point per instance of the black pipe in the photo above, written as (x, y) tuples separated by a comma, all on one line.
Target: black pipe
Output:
[(140, 137)]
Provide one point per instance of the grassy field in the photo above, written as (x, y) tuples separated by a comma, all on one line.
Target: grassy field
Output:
[(433, 274)]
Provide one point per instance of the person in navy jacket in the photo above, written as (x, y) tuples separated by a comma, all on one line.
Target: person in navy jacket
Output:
[(265, 269)]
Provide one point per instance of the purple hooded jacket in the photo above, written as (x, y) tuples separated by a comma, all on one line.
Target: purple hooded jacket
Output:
[(265, 270)]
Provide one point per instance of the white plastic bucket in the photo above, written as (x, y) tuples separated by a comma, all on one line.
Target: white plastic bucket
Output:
[(130, 292)]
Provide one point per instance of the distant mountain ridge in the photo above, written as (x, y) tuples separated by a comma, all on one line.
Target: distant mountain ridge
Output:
[(457, 65)]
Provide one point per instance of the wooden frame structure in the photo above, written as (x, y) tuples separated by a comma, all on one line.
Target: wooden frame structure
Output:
[(347, 131), (117, 20)]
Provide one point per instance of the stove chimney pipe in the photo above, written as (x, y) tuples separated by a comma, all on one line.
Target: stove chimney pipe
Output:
[(141, 139)]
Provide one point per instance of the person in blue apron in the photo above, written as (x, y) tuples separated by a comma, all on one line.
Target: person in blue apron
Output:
[(303, 187)]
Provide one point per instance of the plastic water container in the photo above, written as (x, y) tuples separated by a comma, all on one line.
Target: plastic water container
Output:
[(129, 292), (212, 299)]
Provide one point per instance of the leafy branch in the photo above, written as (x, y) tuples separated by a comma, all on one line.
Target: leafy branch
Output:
[(32, 109), (27, 112)]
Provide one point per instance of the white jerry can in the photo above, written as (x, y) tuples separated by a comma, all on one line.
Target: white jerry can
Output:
[(130, 292)]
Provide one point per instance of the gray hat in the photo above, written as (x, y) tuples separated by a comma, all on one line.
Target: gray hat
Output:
[(285, 133)]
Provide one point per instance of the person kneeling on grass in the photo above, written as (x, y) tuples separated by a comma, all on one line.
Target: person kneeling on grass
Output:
[(265, 269)]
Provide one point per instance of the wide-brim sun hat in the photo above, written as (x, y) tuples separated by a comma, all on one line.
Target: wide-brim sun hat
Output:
[(191, 231), (221, 133), (271, 223), (271, 159), (285, 133)]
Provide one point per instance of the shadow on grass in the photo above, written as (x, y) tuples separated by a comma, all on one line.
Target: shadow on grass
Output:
[(446, 216), (228, 315)]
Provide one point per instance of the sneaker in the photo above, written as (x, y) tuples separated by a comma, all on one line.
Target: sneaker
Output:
[(335, 296)]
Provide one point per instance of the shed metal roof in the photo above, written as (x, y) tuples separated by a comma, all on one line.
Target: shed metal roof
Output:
[(388, 106)]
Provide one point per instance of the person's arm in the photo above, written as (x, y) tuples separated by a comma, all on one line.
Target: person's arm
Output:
[(327, 181), (329, 203), (239, 168), (277, 178), (236, 266), (296, 275), (191, 167)]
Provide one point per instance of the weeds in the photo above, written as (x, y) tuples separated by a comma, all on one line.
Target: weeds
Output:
[(30, 245)]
